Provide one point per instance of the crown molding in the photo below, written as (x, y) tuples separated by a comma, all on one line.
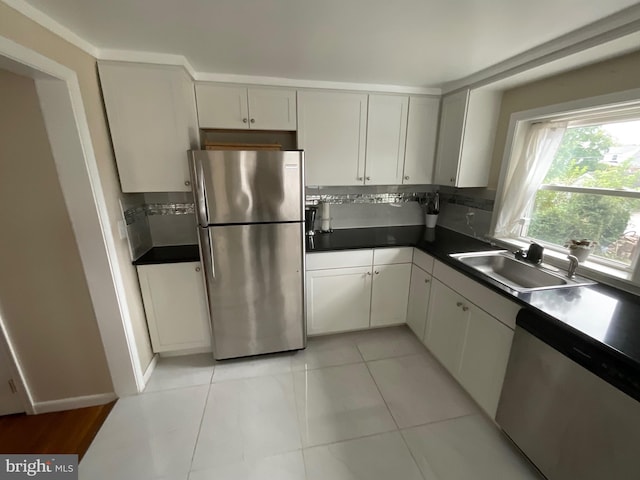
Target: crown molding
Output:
[(50, 24), (147, 57), (608, 29), (300, 83), (614, 27)]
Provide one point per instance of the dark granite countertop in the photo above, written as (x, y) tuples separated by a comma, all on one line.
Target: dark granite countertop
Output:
[(170, 254), (605, 317)]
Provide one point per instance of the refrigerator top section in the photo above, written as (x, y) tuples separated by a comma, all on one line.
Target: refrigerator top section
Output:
[(238, 187)]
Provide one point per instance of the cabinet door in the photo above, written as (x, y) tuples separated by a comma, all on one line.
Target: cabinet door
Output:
[(176, 307), (447, 326), (332, 132), (152, 123), (390, 294), (484, 359), (272, 109), (452, 122), (222, 106), (483, 109), (422, 128), (386, 138), (338, 299), (419, 293)]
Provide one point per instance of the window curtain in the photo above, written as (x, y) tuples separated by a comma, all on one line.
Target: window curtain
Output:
[(525, 174)]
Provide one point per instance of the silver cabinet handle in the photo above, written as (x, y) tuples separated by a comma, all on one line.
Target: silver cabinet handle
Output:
[(406, 177), (244, 120), (377, 272), (426, 280), (459, 304), (197, 269), (253, 120), (360, 179), (465, 309), (187, 183), (368, 178), (368, 273)]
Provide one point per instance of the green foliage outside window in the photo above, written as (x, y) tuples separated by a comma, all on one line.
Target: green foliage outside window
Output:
[(560, 216)]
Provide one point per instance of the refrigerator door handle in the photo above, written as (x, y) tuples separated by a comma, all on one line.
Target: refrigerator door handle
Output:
[(213, 265), (199, 191)]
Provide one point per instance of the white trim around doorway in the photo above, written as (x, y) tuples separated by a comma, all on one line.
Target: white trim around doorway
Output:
[(68, 130)]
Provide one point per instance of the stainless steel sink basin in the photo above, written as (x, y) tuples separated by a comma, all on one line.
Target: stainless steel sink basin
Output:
[(516, 274)]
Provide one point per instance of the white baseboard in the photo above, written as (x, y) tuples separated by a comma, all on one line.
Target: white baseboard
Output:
[(150, 369), (73, 402)]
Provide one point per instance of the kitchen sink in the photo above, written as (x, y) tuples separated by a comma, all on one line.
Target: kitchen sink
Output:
[(502, 267)]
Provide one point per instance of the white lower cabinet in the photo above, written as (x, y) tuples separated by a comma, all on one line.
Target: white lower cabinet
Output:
[(473, 345), (175, 304), (418, 305), (484, 359), (358, 289), (447, 326), (338, 299), (390, 294)]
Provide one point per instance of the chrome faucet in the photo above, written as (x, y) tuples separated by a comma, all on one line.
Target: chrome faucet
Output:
[(573, 266)]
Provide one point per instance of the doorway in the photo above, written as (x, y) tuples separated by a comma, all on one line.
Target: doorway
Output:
[(75, 166)]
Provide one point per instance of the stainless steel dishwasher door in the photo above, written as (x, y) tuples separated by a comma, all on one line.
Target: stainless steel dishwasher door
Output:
[(570, 423)]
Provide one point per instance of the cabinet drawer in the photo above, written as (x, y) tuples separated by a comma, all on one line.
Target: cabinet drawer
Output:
[(341, 259), (423, 260), (386, 256)]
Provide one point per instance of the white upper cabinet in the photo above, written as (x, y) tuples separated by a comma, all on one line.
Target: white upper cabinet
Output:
[(422, 128), (386, 136), (465, 142), (272, 109), (230, 106), (152, 119), (332, 128)]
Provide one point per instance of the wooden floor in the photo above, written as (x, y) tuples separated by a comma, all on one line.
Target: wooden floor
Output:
[(71, 431)]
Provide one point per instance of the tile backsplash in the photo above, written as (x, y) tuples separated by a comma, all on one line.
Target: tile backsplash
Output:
[(158, 219), (468, 211), (161, 219)]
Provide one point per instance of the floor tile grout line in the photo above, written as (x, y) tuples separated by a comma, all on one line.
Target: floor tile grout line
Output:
[(415, 461), (382, 396), (297, 415), (400, 355), (442, 421), (336, 442), (195, 446)]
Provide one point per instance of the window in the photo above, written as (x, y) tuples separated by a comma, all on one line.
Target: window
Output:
[(575, 175), (592, 191)]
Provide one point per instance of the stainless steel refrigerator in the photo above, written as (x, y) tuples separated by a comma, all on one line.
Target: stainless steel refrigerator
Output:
[(250, 211)]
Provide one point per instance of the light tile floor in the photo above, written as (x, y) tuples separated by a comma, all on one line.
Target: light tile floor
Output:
[(373, 405)]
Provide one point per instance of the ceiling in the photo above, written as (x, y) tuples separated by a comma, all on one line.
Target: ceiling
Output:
[(420, 43)]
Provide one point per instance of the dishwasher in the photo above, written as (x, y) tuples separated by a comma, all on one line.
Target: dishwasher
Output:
[(572, 408)]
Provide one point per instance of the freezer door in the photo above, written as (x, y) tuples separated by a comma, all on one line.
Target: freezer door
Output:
[(255, 287), (247, 186)]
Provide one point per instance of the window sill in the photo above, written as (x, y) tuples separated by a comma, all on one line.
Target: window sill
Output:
[(601, 273)]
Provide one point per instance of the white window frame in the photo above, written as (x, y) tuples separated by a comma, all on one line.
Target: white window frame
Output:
[(601, 109)]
